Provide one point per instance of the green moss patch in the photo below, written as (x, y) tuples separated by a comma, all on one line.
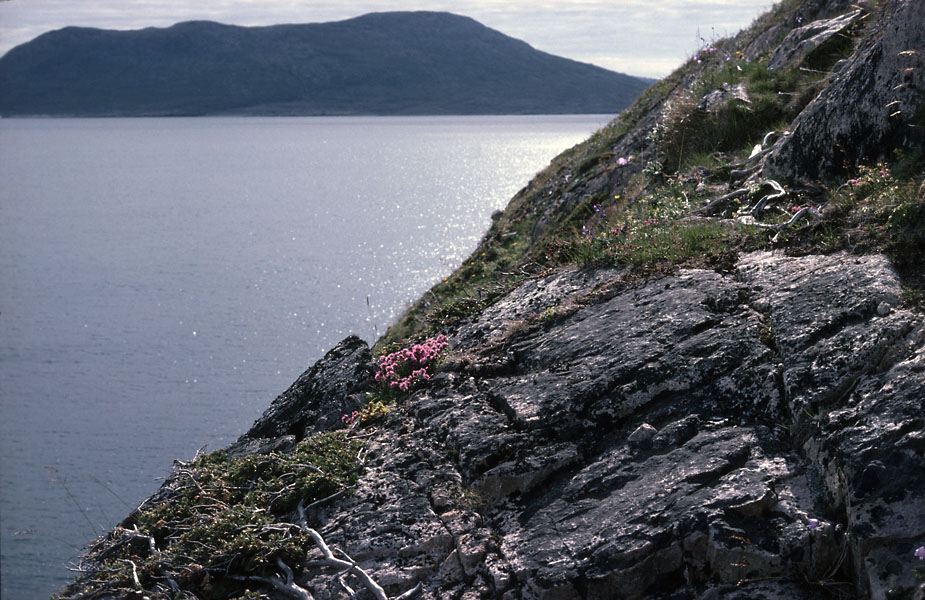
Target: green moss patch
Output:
[(219, 520)]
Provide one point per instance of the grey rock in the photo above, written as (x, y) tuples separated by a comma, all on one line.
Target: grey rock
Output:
[(803, 41), (854, 380), (868, 109), (320, 396), (767, 39), (651, 441), (642, 435), (246, 446), (530, 299), (720, 97)]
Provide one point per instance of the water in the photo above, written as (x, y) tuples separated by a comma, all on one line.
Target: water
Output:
[(162, 280)]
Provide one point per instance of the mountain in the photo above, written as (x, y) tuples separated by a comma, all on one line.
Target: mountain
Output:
[(687, 361), (381, 63)]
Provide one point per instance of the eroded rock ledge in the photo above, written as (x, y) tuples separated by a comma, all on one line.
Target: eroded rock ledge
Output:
[(759, 434)]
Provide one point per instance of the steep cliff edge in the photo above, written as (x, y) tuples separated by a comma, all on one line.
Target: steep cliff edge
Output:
[(687, 361)]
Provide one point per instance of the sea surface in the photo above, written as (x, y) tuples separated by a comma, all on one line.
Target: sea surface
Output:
[(163, 280)]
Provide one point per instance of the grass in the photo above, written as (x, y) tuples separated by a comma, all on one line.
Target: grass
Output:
[(223, 516), (875, 211), (645, 221), (651, 244)]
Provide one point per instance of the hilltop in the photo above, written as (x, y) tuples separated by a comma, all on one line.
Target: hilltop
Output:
[(395, 63), (685, 362)]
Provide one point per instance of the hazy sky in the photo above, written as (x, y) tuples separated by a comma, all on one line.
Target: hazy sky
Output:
[(640, 37)]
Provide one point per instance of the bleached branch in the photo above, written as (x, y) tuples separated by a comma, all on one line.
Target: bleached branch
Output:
[(348, 565)]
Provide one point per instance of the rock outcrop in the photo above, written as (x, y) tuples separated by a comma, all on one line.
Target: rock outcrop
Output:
[(873, 104), (320, 396), (751, 435), (800, 43)]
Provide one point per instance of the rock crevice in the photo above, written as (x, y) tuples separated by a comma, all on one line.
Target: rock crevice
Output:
[(653, 442)]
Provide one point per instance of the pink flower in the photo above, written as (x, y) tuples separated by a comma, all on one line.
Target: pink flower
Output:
[(406, 368), (622, 162)]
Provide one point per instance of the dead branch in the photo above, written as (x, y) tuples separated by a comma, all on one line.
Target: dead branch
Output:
[(349, 565), (333, 496), (779, 192), (202, 492), (288, 587), (106, 546), (411, 593), (750, 220), (134, 574), (743, 173), (718, 203), (347, 588)]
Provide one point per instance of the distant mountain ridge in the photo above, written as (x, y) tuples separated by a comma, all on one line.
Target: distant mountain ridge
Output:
[(379, 63)]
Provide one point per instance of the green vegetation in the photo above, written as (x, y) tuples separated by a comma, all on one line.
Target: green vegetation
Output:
[(224, 516), (653, 219), (876, 211)]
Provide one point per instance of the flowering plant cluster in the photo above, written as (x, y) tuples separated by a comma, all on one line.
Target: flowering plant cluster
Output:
[(711, 51), (872, 176), (372, 412), (406, 368)]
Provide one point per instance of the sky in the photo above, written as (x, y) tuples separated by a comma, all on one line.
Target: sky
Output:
[(647, 38)]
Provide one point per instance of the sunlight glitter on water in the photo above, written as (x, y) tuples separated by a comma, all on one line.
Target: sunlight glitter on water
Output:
[(152, 270)]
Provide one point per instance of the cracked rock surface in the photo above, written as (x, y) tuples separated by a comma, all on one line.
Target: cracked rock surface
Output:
[(867, 108), (753, 435)]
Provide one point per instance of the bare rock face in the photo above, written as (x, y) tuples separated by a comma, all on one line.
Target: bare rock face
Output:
[(872, 105), (803, 41), (755, 435), (319, 397), (808, 11)]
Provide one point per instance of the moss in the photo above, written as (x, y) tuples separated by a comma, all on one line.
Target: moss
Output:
[(225, 516)]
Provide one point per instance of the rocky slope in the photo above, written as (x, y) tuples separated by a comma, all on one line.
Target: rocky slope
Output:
[(652, 387), (380, 63), (756, 434)]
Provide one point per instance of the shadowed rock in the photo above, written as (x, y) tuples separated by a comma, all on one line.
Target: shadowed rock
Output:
[(321, 395)]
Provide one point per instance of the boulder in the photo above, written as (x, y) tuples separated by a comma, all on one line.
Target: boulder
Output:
[(720, 97), (803, 41), (318, 399)]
